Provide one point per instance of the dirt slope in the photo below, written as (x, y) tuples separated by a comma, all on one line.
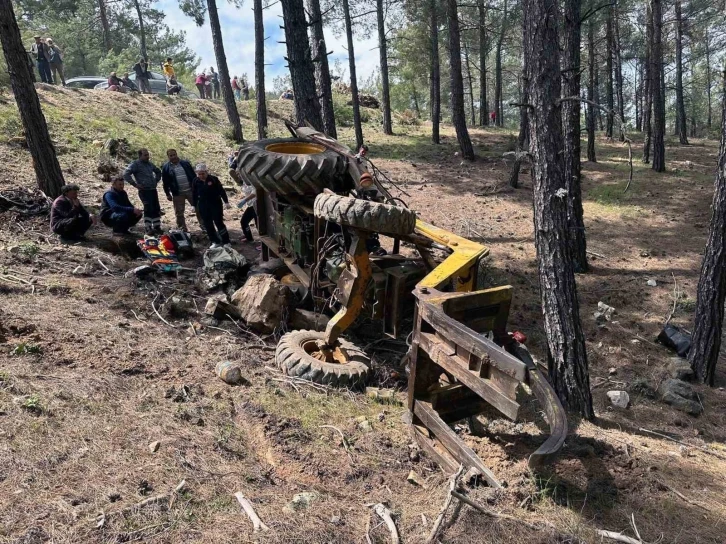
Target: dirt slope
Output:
[(90, 376)]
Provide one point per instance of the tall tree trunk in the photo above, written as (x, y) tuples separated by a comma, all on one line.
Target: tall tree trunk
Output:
[(45, 163), (708, 323), (571, 128), (260, 97), (692, 100), (142, 31), (567, 356), (319, 52), (708, 80), (386, 89), (523, 137), (227, 95), (353, 78), (609, 72), (498, 92), (471, 85), (598, 111), (483, 106), (648, 85), (458, 115), (591, 88), (681, 122), (302, 71), (414, 97), (435, 73), (105, 28), (658, 88), (638, 95), (618, 65)]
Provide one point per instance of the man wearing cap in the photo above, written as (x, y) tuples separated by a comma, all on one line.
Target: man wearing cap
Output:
[(208, 195), (145, 175), (41, 54), (177, 176), (56, 61), (68, 218)]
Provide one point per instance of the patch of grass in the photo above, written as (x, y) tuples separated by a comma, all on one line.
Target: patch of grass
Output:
[(27, 349), (33, 404), (10, 124), (28, 249)]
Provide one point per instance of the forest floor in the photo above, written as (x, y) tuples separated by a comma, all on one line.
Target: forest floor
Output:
[(90, 376)]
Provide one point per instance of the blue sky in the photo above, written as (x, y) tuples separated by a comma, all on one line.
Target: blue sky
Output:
[(238, 34)]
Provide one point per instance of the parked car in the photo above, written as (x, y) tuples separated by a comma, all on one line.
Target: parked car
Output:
[(85, 82), (157, 82)]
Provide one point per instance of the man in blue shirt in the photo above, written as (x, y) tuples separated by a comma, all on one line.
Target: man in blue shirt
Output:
[(145, 176), (117, 211)]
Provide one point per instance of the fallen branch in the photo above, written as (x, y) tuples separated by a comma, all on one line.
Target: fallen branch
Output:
[(595, 254), (342, 436), (158, 314), (257, 523), (102, 517), (612, 535), (453, 482), (681, 495), (385, 514), (661, 435), (675, 299), (496, 515)]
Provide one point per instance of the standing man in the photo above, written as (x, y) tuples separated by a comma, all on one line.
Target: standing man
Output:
[(117, 211), (236, 88), (177, 176), (168, 68), (208, 195), (56, 61), (145, 175), (141, 68), (245, 89), (40, 53), (68, 218), (215, 81)]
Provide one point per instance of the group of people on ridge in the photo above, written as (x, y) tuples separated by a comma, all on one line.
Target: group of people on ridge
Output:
[(49, 59), (182, 184)]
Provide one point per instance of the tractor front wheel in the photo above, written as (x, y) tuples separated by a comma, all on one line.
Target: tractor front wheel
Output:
[(299, 354)]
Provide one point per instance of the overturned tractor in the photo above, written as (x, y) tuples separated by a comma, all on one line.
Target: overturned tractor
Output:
[(339, 231)]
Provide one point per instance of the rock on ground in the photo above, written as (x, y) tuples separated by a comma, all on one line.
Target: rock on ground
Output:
[(264, 303), (681, 396), (619, 399), (680, 369)]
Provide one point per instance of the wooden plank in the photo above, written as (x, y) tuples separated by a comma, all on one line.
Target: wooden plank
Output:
[(436, 451), (459, 368), (451, 442), (475, 343)]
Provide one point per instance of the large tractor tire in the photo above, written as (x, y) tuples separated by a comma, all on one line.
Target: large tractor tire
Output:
[(295, 355), (290, 166), (365, 215)]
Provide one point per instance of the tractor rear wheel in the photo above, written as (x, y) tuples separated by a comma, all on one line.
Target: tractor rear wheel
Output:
[(290, 166), (365, 214), (298, 354)]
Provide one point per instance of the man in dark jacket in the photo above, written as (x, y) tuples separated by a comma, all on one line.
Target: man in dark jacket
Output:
[(117, 211), (208, 195), (142, 75), (214, 76), (177, 176), (40, 52), (68, 218), (145, 176)]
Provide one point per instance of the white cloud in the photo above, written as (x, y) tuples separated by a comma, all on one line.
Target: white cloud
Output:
[(239, 41)]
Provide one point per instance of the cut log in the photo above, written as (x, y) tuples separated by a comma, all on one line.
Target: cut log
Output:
[(220, 309)]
